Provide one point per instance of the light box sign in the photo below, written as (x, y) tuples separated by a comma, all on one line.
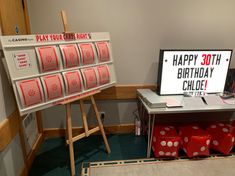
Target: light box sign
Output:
[(195, 72), (46, 69)]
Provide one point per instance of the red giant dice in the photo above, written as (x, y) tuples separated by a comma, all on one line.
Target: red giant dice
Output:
[(233, 131), (166, 142), (222, 138), (194, 140)]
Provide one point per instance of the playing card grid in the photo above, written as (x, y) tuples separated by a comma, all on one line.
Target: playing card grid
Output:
[(53, 86)]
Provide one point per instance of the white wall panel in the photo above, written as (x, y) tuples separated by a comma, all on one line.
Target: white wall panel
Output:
[(7, 105), (11, 159)]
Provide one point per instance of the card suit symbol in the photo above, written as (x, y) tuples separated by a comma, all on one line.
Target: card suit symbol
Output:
[(226, 59), (166, 60), (48, 59), (31, 92), (88, 55), (103, 75), (103, 52), (74, 82), (91, 78), (71, 55), (54, 87)]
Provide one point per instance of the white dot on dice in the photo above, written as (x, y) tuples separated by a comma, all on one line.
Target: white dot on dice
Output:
[(213, 126), (163, 143), (225, 130), (203, 148), (215, 142), (176, 143), (162, 132), (167, 129), (168, 153), (169, 144)]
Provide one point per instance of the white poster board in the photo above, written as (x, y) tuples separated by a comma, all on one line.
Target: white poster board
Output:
[(46, 69), (193, 71)]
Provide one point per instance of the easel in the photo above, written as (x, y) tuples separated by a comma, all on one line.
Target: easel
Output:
[(69, 134)]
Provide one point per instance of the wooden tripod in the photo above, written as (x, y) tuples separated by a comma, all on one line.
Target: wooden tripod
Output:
[(70, 138), (69, 134)]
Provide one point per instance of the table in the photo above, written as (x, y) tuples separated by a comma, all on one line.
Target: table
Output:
[(153, 112)]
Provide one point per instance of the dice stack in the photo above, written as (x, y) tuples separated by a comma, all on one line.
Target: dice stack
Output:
[(193, 140)]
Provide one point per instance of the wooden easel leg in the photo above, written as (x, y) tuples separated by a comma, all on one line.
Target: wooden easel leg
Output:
[(84, 119), (100, 124), (70, 137)]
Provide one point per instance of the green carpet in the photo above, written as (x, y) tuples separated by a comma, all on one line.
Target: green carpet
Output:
[(53, 156)]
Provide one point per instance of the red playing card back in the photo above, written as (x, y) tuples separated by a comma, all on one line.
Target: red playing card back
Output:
[(71, 55), (104, 75), (48, 58), (90, 77), (73, 81), (31, 91), (53, 84), (103, 51), (88, 56)]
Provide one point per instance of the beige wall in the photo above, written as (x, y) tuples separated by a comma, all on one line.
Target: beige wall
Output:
[(11, 158), (138, 30), (7, 105), (116, 112)]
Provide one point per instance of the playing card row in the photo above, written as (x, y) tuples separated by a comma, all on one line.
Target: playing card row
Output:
[(50, 87), (74, 55)]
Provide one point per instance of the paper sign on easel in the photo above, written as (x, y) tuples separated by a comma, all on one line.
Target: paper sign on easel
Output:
[(22, 60)]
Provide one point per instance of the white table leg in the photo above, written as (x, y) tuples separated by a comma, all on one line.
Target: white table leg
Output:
[(151, 137), (149, 132)]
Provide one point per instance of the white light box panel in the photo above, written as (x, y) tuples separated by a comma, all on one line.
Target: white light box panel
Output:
[(45, 69)]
